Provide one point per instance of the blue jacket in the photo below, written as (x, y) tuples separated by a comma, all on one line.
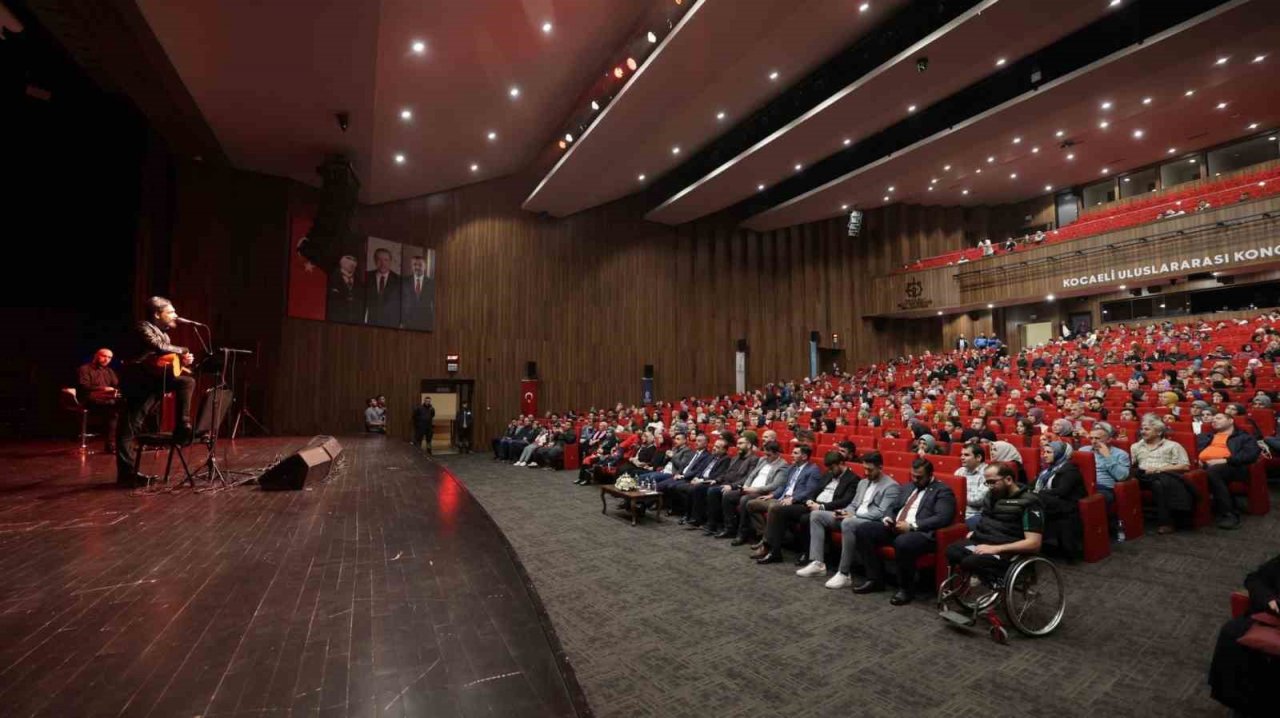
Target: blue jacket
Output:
[(808, 486)]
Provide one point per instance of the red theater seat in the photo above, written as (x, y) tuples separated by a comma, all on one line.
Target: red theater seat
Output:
[(1093, 510), (570, 458), (944, 536)]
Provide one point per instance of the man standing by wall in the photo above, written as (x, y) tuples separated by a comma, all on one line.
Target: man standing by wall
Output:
[(423, 418)]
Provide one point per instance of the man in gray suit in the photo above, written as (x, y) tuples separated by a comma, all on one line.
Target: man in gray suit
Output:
[(877, 494), (768, 476)]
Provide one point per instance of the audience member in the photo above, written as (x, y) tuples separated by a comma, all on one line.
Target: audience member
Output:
[(1246, 659), (838, 488), (876, 495), (1158, 464), (1226, 455)]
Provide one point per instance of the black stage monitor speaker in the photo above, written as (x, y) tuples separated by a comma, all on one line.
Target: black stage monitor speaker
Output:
[(312, 462), (531, 370)]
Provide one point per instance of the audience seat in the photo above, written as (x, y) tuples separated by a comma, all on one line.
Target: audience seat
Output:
[(937, 561), (1129, 508), (570, 458), (1095, 538)]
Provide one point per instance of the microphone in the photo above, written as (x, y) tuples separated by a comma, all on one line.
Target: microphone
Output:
[(184, 320)]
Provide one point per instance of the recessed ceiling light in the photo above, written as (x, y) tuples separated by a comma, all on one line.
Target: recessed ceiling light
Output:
[(1104, 124), (844, 207), (1188, 93), (990, 159), (641, 178), (546, 28), (720, 115), (1060, 133), (1259, 58), (979, 170), (759, 188), (675, 150), (890, 188), (418, 47), (1000, 62), (1035, 150), (1126, 179), (1222, 105), (1137, 134), (1049, 298), (652, 38), (847, 142), (399, 159), (1106, 170), (406, 114), (514, 91), (1048, 188), (1013, 175), (911, 108), (492, 135), (773, 75), (1115, 3), (886, 198), (930, 188), (1123, 286), (1071, 156), (939, 312), (799, 167), (632, 64), (864, 7), (1173, 150), (991, 306), (964, 191), (933, 181), (1192, 160), (1017, 140), (475, 167), (1271, 138), (1222, 60), (568, 137), (595, 106), (563, 144), (1253, 126), (1106, 105), (946, 168)]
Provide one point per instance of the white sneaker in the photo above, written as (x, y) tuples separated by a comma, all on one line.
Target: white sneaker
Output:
[(815, 568), (518, 463), (839, 580)]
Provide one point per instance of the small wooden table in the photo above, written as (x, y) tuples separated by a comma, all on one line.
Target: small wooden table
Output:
[(633, 499)]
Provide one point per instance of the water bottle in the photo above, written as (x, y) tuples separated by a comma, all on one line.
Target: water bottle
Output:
[(1119, 531)]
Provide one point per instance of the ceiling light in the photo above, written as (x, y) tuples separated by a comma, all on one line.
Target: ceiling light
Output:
[(911, 108), (890, 188), (1000, 62), (844, 207), (652, 38), (1060, 133), (475, 167), (720, 115), (1049, 298), (1106, 105), (563, 144), (492, 135), (773, 75), (1071, 156), (1188, 93), (933, 181), (1035, 150), (759, 188), (847, 142), (1146, 100), (1137, 134), (1115, 3), (886, 198), (990, 159), (864, 7), (546, 28), (1104, 124), (939, 312), (1222, 105), (568, 137), (1271, 138), (1123, 286), (1017, 140), (799, 167), (514, 91), (1126, 179), (964, 191), (1013, 175), (1253, 126), (946, 168), (930, 188), (399, 159), (991, 306), (1259, 58), (1192, 160), (979, 170), (1173, 150), (1048, 188), (675, 150), (406, 114), (595, 106), (1222, 60), (632, 64), (418, 47), (641, 178), (1106, 170), (617, 72)]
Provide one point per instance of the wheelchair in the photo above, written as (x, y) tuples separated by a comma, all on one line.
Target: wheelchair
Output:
[(1031, 593)]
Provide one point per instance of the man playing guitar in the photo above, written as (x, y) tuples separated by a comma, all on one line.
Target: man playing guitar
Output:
[(149, 371)]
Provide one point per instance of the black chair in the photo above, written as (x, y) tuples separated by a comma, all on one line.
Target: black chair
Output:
[(163, 440)]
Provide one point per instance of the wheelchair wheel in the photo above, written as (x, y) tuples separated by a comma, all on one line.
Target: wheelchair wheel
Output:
[(1035, 598), (967, 590)]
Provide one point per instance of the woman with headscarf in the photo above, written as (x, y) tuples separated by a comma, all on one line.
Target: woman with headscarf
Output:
[(1060, 488), (926, 444), (1006, 453)]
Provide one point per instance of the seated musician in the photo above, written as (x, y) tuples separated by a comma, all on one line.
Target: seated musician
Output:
[(147, 375), (98, 389)]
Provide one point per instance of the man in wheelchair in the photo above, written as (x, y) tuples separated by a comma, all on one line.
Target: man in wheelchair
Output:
[(1012, 524)]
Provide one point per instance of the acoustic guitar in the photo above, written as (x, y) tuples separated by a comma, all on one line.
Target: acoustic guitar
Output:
[(167, 364)]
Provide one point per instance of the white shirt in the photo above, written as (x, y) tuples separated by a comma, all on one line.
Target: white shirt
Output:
[(975, 489), (864, 508), (828, 492), (762, 477)]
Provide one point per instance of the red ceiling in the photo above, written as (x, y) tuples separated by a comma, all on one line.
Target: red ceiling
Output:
[(269, 76), (1163, 69)]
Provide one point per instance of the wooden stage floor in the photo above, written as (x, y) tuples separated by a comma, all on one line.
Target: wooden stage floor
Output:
[(386, 590)]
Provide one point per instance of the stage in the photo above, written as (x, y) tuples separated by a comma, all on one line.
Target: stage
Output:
[(384, 590)]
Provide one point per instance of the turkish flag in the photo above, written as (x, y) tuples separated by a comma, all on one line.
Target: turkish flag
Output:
[(529, 396), (307, 282)]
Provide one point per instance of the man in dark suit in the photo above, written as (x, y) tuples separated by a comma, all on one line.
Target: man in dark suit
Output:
[(464, 422), (839, 487), (382, 292), (344, 301), (424, 416), (707, 504), (706, 477), (929, 507), (697, 462), (418, 300), (804, 481)]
